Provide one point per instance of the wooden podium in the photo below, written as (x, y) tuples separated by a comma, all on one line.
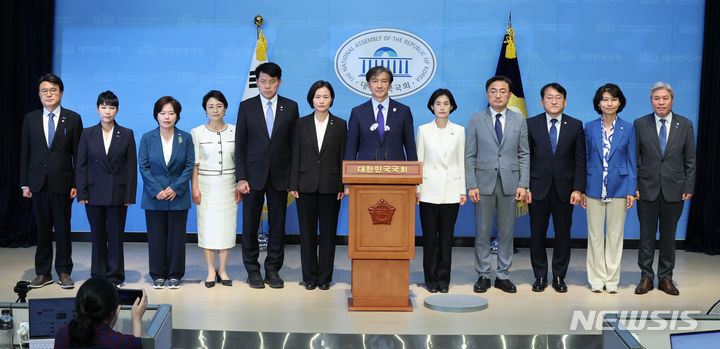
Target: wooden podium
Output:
[(381, 232)]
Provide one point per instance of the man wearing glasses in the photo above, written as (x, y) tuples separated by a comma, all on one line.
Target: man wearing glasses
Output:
[(48, 150)]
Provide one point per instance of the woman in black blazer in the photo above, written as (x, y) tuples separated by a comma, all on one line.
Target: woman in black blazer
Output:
[(106, 185), (316, 183)]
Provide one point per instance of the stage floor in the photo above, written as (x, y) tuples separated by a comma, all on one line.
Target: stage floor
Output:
[(294, 309)]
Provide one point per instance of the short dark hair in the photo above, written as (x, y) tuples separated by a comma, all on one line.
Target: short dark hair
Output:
[(442, 92), (316, 86), (555, 86), (214, 94), (614, 91), (53, 79), (108, 98), (96, 302), (269, 68), (167, 100), (377, 70), (498, 78)]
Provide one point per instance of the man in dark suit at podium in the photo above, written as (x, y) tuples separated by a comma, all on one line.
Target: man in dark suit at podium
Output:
[(557, 180), (48, 156), (381, 128), (263, 142), (666, 178)]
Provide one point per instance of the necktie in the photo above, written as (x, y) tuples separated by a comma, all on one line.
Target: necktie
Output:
[(663, 135), (51, 128), (269, 118), (498, 127), (381, 122), (553, 135)]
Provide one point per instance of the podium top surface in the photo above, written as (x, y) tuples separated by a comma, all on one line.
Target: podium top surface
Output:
[(382, 172)]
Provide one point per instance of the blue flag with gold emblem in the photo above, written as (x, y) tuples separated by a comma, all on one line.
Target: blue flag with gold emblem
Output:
[(508, 66)]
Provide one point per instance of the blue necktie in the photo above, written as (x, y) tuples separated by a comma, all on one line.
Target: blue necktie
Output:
[(51, 128), (381, 122), (269, 118), (663, 136), (498, 127), (553, 135)]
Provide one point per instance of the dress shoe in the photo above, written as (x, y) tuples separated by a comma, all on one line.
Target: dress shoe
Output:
[(273, 279), (431, 287), (559, 285), (310, 285), (645, 285), (40, 281), (65, 281), (255, 280), (443, 289), (227, 282), (159, 283), (505, 285), (324, 286), (539, 285), (481, 285), (666, 285), (210, 284)]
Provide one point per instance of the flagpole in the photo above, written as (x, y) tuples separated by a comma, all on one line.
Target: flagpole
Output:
[(258, 20), (509, 19)]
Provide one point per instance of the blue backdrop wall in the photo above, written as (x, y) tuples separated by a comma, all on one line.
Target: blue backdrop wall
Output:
[(142, 50)]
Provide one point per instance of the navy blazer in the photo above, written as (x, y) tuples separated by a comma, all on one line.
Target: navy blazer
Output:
[(107, 180), (363, 144), (259, 155), (318, 170), (622, 173), (566, 167), (49, 168), (157, 176)]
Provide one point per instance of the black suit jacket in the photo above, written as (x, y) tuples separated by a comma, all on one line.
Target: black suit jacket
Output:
[(673, 170), (259, 155), (314, 170), (398, 143), (56, 163), (566, 168), (107, 180)]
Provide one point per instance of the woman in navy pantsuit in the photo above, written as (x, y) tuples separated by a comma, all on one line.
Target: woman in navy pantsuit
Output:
[(166, 158), (106, 185)]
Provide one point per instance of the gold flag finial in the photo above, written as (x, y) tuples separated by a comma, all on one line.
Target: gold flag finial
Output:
[(261, 45)]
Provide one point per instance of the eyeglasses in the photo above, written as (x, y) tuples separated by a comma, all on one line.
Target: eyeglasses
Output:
[(52, 91)]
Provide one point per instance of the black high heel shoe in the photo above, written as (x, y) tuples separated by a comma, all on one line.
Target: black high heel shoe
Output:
[(210, 284), (227, 282)]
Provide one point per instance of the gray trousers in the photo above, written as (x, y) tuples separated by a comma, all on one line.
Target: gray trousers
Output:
[(503, 206)]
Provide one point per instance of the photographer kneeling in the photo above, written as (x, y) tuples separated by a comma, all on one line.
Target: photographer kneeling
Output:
[(97, 306)]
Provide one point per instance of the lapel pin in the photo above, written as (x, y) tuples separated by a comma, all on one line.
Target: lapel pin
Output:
[(281, 108), (180, 140), (621, 128), (564, 122), (394, 110)]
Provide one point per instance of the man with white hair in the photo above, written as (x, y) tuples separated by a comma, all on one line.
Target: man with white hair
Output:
[(666, 178)]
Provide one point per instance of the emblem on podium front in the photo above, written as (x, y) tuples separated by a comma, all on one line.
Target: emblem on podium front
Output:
[(381, 212)]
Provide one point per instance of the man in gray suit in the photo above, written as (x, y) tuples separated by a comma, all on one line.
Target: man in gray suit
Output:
[(666, 178), (497, 160)]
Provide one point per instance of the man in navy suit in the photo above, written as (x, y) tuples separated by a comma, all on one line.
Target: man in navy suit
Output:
[(557, 181), (381, 128), (48, 155), (263, 145)]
